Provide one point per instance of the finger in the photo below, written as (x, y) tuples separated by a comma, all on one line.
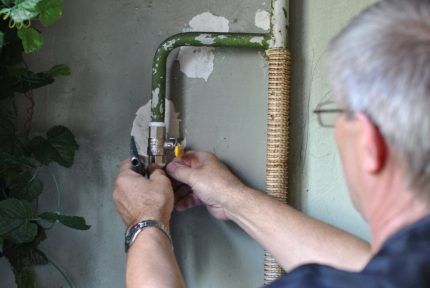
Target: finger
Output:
[(188, 202), (182, 192), (160, 177), (180, 172), (154, 166), (125, 164), (187, 159), (157, 173), (176, 185)]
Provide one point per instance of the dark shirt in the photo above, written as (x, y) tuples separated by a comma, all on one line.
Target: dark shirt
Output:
[(403, 261)]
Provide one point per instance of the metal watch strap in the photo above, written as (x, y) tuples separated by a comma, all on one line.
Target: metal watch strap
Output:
[(132, 232)]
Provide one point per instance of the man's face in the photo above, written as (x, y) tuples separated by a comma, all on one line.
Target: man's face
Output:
[(346, 136)]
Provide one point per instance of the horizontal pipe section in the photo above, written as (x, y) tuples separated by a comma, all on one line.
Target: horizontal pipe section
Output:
[(159, 72)]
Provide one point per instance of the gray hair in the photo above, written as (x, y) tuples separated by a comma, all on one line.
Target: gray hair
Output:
[(380, 65)]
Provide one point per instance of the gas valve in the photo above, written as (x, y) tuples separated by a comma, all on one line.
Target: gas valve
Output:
[(159, 145)]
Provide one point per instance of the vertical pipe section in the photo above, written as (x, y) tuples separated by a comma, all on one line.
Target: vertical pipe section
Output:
[(279, 59)]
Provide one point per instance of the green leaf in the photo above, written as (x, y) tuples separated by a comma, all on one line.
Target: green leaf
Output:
[(33, 190), (25, 279), (63, 141), (70, 221), (15, 216), (25, 187), (30, 81), (25, 80), (1, 39), (25, 256), (10, 141), (14, 162), (7, 3), (41, 236), (24, 10), (59, 146), (59, 70), (24, 233), (31, 39), (42, 150), (50, 11)]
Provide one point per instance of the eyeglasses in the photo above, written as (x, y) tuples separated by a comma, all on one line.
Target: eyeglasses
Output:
[(328, 113)]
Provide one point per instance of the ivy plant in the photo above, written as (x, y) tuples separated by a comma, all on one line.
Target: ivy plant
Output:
[(23, 155)]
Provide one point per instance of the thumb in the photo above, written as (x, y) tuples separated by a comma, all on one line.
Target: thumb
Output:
[(180, 172)]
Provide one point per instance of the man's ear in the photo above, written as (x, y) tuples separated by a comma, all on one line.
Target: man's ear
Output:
[(374, 148)]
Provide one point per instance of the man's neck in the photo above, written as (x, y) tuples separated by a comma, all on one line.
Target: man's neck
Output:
[(394, 207)]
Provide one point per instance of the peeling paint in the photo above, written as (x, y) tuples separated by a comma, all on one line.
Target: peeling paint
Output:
[(205, 39), (279, 24), (257, 39), (140, 129), (155, 94), (199, 62), (169, 44), (262, 19)]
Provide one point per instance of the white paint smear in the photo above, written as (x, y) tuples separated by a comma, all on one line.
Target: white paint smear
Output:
[(169, 44), (140, 129), (205, 39), (257, 39), (199, 62), (155, 95), (262, 19)]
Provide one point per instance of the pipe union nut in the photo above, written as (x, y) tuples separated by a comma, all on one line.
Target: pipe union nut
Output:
[(157, 136)]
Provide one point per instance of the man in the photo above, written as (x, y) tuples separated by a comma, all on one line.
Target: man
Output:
[(380, 75)]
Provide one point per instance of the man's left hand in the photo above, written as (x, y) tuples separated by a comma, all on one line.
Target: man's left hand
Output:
[(138, 198)]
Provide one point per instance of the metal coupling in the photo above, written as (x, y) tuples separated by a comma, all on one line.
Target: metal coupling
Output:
[(160, 147), (156, 141)]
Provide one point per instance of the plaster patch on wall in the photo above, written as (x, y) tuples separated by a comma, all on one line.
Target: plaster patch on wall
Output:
[(208, 22), (140, 129), (262, 19), (198, 62)]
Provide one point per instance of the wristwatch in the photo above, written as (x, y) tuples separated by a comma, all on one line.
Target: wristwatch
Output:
[(132, 232)]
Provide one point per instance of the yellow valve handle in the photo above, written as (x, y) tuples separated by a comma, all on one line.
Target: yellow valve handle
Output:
[(179, 151)]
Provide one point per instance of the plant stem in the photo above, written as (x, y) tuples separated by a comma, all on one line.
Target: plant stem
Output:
[(57, 189), (61, 271), (30, 111), (35, 173)]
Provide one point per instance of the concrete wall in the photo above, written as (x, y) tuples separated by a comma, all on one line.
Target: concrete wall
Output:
[(316, 179), (109, 46)]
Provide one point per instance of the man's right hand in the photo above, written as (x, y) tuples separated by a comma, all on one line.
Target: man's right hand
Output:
[(208, 182)]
